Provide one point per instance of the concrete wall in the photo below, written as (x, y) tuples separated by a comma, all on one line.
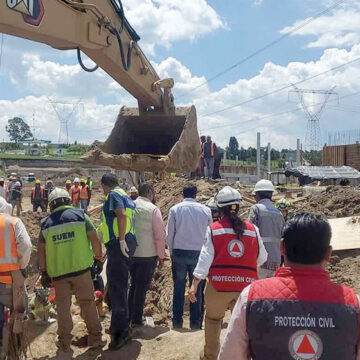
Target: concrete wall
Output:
[(348, 155)]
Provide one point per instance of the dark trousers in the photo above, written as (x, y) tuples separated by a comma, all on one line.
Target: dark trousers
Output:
[(117, 272), (141, 272), (38, 204), (183, 265)]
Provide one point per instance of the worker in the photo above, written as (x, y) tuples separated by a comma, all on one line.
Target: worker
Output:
[(186, 232), (211, 204), (117, 232), (134, 193), (2, 188), (270, 222), (68, 186), (10, 187), (300, 313), (37, 196), (284, 206), (90, 184), (15, 250), (209, 152), (85, 195), (124, 185), (48, 188), (233, 250), (16, 198), (67, 245), (75, 193), (151, 239)]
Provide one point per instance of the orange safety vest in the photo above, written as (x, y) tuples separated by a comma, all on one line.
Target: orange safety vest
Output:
[(84, 194), (235, 263), (75, 193), (212, 149), (68, 190), (9, 257), (41, 193)]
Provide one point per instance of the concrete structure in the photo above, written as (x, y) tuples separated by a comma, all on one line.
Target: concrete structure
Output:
[(348, 155)]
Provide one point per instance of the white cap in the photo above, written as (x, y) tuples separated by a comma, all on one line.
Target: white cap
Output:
[(227, 196), (76, 180), (58, 193), (264, 185), (18, 183), (133, 189)]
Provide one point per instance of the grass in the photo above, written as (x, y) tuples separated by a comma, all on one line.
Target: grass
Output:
[(67, 157)]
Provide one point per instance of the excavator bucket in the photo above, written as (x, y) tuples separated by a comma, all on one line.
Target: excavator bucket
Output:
[(155, 143)]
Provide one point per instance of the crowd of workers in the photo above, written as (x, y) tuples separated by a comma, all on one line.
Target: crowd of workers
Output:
[(290, 311)]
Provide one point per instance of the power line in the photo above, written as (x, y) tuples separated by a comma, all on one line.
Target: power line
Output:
[(282, 88), (274, 42)]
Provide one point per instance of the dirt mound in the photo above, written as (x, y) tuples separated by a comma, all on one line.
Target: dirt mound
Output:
[(334, 202), (32, 224)]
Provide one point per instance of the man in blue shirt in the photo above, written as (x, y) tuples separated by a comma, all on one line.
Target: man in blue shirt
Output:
[(117, 216), (186, 233)]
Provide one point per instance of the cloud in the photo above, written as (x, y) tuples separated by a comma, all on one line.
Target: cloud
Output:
[(163, 22), (341, 28), (257, 2)]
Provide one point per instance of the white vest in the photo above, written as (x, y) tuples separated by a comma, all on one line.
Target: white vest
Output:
[(144, 229)]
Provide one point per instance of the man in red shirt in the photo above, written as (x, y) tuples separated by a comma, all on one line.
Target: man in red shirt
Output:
[(299, 313)]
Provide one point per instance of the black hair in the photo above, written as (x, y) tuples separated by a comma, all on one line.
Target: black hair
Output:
[(306, 238), (236, 221), (190, 191), (110, 180), (264, 195), (145, 189)]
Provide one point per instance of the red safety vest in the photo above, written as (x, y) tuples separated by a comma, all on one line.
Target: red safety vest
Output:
[(9, 257), (84, 194), (212, 149), (235, 263), (41, 193)]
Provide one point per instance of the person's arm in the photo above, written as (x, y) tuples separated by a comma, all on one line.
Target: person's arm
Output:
[(23, 244), (263, 255), (236, 342), (41, 253), (253, 215), (170, 229), (93, 237), (159, 235)]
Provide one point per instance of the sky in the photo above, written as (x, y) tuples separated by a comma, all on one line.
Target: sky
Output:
[(193, 41)]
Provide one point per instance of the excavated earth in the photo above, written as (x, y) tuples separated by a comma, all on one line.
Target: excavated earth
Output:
[(160, 342)]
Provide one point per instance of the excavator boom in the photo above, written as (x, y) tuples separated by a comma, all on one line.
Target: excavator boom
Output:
[(101, 30)]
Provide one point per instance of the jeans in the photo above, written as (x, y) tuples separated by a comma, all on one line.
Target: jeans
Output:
[(209, 167), (183, 264), (84, 205), (117, 272), (142, 272)]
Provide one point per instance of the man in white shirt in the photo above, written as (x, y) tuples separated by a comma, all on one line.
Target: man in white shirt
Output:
[(186, 232)]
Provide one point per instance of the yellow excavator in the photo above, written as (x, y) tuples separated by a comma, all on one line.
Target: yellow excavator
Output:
[(156, 136)]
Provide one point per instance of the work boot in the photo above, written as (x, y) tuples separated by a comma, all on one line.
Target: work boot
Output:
[(97, 343), (118, 342), (64, 353)]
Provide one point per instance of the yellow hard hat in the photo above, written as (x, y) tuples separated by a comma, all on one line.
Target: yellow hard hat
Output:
[(83, 180), (68, 182), (37, 181), (11, 178)]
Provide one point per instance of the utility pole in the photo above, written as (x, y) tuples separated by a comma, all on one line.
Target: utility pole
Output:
[(269, 159), (258, 157)]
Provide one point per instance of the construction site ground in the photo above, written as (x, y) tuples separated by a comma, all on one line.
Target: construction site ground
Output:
[(161, 342)]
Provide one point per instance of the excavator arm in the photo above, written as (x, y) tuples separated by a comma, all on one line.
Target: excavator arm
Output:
[(153, 137)]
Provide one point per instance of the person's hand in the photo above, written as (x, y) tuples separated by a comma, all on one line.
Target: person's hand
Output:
[(160, 263), (124, 248), (99, 265), (192, 292)]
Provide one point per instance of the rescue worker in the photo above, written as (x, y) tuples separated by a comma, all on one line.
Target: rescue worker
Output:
[(230, 257), (15, 250), (68, 186), (124, 185), (16, 198), (85, 195), (117, 232), (75, 193), (2, 188), (214, 209), (134, 193), (270, 222), (10, 187), (37, 196), (300, 313), (209, 152), (90, 184), (48, 188), (67, 245), (284, 206)]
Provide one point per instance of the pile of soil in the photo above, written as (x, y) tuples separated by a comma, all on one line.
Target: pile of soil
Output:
[(334, 202)]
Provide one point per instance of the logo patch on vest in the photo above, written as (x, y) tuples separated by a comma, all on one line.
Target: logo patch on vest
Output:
[(236, 248), (305, 345)]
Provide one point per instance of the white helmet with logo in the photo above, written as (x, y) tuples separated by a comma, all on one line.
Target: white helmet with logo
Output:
[(227, 196), (58, 193), (264, 185)]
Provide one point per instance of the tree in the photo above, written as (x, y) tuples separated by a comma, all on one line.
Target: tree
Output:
[(18, 129), (233, 148)]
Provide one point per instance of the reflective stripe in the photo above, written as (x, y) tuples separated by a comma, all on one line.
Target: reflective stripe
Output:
[(8, 258), (249, 233), (61, 226), (223, 231), (270, 239)]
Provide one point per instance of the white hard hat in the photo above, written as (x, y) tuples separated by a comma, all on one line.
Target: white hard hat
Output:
[(211, 204), (18, 183), (264, 185), (227, 196), (58, 193), (133, 189), (76, 180)]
